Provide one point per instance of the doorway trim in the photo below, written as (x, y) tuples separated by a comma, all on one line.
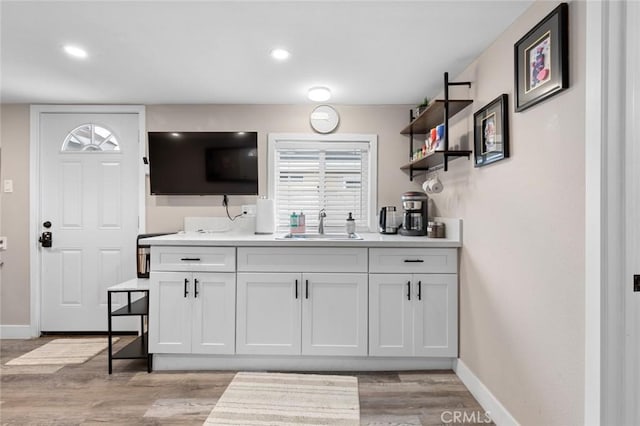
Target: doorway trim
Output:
[(34, 186), (608, 102)]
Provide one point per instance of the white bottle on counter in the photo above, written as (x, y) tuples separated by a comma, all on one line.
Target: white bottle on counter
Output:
[(350, 225)]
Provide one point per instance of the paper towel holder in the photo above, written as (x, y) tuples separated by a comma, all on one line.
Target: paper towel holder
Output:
[(265, 216)]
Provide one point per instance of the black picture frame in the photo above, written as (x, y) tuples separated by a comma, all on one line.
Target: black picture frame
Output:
[(541, 60), (491, 132)]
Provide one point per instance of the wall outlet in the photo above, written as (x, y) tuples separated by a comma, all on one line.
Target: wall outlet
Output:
[(8, 185), (3, 243), (249, 210)]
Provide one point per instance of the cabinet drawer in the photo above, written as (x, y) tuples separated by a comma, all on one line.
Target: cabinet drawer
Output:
[(428, 260), (205, 259), (303, 259)]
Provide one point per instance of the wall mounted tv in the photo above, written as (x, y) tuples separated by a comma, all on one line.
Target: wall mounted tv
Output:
[(203, 163)]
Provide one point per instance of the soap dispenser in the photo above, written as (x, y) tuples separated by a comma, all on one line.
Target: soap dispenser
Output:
[(351, 225)]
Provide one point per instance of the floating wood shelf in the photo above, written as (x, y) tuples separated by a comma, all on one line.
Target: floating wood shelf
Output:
[(433, 115), (433, 161)]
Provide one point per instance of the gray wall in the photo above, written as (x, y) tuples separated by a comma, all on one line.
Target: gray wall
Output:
[(522, 298), (165, 213), (14, 216)]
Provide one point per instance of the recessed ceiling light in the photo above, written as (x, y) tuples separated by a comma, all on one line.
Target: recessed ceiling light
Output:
[(280, 54), (75, 51), (175, 135), (319, 94)]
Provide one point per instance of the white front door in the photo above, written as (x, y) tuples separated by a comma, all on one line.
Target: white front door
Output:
[(88, 193)]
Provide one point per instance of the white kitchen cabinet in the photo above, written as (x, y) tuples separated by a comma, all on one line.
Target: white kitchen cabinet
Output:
[(188, 259), (390, 315), (268, 320), (192, 312), (301, 313), (413, 302), (334, 314)]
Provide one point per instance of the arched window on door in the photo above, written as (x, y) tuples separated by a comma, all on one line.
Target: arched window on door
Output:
[(90, 138)]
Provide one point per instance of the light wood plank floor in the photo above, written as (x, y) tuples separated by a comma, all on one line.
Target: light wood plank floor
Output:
[(85, 394)]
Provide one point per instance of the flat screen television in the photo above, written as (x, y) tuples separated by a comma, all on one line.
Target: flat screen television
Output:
[(203, 163)]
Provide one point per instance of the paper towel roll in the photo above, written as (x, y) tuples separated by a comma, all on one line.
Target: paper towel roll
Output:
[(436, 186), (432, 186), (265, 216)]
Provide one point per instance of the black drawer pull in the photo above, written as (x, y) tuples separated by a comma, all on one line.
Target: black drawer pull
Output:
[(408, 290), (413, 261), (186, 288), (190, 259), (296, 289), (419, 290), (195, 288), (307, 288)]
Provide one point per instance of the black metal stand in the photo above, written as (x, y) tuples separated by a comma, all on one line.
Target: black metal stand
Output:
[(139, 347), (430, 118)]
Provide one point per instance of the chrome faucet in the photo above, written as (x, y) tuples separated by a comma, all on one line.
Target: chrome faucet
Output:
[(321, 217)]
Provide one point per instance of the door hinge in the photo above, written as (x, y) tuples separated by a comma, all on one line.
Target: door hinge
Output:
[(636, 283)]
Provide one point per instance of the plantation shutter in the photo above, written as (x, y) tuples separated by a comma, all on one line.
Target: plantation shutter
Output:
[(328, 176)]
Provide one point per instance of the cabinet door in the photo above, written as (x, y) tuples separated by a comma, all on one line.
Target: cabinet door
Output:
[(436, 315), (214, 313), (334, 314), (390, 315), (170, 312), (268, 313)]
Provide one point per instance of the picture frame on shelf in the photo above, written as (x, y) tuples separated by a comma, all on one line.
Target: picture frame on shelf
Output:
[(541, 60), (491, 132)]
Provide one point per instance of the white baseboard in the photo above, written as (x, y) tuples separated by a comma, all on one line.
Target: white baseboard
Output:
[(15, 332), (498, 413)]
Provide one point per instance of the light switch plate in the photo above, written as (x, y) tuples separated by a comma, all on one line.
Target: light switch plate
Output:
[(3, 243), (7, 185)]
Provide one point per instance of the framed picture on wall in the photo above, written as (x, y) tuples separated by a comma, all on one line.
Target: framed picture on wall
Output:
[(491, 132), (542, 60)]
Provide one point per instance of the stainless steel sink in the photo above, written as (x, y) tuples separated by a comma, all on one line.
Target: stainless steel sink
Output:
[(319, 237)]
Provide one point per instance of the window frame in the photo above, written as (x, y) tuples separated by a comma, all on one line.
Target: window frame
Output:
[(292, 140)]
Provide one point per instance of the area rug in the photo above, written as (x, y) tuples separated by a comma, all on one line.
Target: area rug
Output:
[(288, 399), (63, 351)]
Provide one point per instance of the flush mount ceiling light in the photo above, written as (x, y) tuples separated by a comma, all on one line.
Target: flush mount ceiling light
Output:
[(75, 51), (280, 54), (319, 94)]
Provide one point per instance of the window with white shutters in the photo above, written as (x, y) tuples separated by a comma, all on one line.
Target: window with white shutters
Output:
[(310, 175)]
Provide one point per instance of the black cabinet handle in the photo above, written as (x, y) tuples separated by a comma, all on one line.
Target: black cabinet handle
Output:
[(296, 289), (413, 261), (419, 290), (186, 288), (408, 290), (307, 288), (195, 288), (190, 259)]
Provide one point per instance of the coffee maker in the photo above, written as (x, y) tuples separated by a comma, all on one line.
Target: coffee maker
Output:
[(414, 221)]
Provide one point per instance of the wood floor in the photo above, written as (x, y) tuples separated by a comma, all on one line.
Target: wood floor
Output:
[(85, 394)]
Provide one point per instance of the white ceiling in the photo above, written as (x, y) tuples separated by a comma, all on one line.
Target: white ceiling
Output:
[(150, 52)]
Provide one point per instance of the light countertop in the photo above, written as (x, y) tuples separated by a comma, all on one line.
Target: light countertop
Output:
[(248, 239)]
